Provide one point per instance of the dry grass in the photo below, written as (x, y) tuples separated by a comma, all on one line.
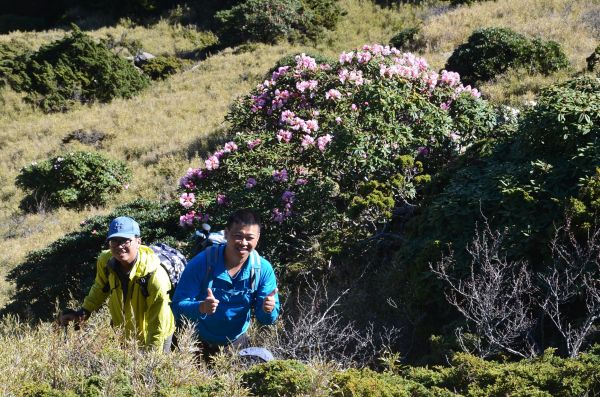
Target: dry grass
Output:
[(160, 132)]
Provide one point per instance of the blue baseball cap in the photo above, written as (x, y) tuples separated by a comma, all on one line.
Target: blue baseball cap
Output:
[(123, 226)]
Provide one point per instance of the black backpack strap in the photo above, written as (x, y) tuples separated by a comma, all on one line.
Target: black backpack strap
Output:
[(143, 283), (106, 287)]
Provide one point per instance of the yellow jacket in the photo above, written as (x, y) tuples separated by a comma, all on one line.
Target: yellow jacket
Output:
[(148, 318)]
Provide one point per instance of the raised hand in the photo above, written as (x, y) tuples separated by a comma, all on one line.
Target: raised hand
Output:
[(269, 302), (209, 305)]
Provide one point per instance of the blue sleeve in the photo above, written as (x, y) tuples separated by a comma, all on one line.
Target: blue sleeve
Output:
[(187, 297), (266, 284)]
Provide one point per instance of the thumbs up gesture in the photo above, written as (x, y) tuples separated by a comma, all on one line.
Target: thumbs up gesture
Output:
[(209, 305), (269, 302)]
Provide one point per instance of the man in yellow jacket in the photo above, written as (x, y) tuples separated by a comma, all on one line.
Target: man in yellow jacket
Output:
[(121, 272)]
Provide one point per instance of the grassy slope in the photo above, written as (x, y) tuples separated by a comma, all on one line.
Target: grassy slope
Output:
[(160, 131)]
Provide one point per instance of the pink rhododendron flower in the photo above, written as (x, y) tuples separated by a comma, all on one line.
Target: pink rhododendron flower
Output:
[(280, 176), (221, 199), (343, 75), (287, 116), (307, 141), (301, 181), (444, 106), (279, 72), (353, 107), (310, 85), (250, 183), (219, 153), (323, 141), (356, 77), (187, 199), (211, 163), (298, 124), (364, 57), (346, 57), (285, 136), (305, 62), (252, 144), (450, 78), (288, 196), (333, 94), (230, 147), (310, 126), (187, 219), (338, 120)]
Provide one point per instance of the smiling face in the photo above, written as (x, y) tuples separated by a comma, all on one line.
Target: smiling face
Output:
[(124, 250), (241, 240)]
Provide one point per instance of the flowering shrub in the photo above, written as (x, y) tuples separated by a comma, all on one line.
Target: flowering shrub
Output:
[(75, 180), (312, 139)]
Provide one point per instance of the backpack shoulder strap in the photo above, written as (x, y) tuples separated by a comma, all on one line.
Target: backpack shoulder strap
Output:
[(106, 287), (143, 283), (254, 271), (211, 256)]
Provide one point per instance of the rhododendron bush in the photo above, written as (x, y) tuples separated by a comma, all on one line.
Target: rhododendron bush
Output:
[(315, 141)]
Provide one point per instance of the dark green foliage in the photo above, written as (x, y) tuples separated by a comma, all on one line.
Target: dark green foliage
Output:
[(278, 378), (75, 69), (162, 67), (74, 180), (9, 53), (67, 266), (492, 51), (593, 61), (464, 2), (524, 185), (268, 21), (408, 39)]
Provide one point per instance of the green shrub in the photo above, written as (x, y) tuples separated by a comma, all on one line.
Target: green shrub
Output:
[(593, 61), (367, 383), (308, 143), (74, 180), (67, 266), (408, 39), (455, 3), (523, 184), (279, 378), (42, 390), (75, 69), (162, 67), (268, 21), (9, 53), (489, 52)]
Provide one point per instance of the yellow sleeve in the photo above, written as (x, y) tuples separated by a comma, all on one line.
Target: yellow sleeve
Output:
[(96, 297), (159, 317)]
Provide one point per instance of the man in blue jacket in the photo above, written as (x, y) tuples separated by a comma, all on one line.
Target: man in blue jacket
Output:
[(222, 285)]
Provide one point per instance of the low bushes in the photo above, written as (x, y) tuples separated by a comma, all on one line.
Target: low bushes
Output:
[(161, 67), (74, 180), (270, 20), (489, 52), (593, 61), (278, 378), (67, 266), (408, 39), (72, 70)]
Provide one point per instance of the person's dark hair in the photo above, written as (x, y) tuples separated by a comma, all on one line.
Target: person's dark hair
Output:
[(244, 217)]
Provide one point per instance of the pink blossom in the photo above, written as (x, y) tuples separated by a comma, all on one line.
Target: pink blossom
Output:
[(311, 126), (346, 57), (301, 170), (338, 120), (279, 72), (343, 75), (353, 107), (187, 219), (305, 62), (301, 181), (212, 163), (230, 147), (356, 77), (444, 106), (298, 124), (323, 141), (222, 199), (277, 215), (219, 153), (186, 182), (250, 183), (285, 136), (333, 94), (280, 176), (310, 85), (126, 186), (364, 57), (450, 78), (288, 197), (307, 141), (287, 116), (187, 199), (252, 144)]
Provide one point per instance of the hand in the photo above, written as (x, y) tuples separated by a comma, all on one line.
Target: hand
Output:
[(209, 305), (269, 302)]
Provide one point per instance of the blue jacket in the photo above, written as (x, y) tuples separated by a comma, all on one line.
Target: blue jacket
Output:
[(236, 299)]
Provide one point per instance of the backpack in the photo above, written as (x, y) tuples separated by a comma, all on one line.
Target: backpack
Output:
[(212, 254), (172, 260)]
